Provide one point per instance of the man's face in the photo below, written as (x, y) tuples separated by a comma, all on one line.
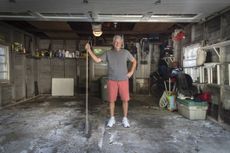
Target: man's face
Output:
[(118, 43)]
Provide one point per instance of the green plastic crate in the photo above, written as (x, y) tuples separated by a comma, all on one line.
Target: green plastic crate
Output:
[(189, 102)]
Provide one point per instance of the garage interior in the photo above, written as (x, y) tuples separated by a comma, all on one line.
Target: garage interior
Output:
[(53, 97)]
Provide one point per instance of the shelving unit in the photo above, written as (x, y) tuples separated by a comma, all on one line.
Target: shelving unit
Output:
[(198, 72), (218, 49)]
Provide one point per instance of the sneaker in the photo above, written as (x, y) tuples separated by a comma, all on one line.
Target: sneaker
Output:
[(111, 122), (125, 122)]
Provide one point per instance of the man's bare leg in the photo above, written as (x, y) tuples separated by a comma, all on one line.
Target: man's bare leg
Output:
[(111, 121), (125, 120), (112, 108), (125, 105)]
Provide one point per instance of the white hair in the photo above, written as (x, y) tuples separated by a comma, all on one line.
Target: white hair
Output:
[(118, 37)]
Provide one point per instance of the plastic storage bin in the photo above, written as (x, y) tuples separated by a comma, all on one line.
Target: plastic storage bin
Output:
[(192, 110)]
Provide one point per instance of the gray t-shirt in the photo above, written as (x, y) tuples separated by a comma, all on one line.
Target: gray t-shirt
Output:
[(117, 63)]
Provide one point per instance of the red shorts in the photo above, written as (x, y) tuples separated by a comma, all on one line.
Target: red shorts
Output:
[(118, 86)]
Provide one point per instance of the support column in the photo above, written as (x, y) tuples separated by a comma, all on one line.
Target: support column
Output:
[(222, 79)]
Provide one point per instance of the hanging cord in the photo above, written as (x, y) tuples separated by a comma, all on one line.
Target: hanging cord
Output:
[(144, 48), (86, 91)]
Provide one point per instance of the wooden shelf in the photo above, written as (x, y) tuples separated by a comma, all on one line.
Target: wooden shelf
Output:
[(217, 45)]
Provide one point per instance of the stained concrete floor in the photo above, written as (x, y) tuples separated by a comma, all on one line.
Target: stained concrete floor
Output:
[(57, 125)]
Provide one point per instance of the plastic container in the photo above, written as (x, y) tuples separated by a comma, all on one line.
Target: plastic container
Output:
[(192, 110), (104, 93)]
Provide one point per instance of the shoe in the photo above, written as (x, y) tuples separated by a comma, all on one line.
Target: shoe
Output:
[(125, 122), (111, 122)]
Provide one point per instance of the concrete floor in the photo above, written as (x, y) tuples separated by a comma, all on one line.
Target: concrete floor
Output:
[(57, 124)]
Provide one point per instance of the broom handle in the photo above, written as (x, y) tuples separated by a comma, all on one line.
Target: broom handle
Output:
[(165, 86), (87, 95), (169, 85)]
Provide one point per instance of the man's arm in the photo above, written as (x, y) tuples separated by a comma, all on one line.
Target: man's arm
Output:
[(134, 64), (94, 57)]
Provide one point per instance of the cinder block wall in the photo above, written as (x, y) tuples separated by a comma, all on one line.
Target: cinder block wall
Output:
[(22, 68), (30, 76), (49, 68)]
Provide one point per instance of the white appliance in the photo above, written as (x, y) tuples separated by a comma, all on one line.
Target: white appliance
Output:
[(62, 87)]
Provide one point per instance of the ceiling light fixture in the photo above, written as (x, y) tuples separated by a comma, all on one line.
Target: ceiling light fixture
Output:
[(115, 25), (97, 33), (96, 27)]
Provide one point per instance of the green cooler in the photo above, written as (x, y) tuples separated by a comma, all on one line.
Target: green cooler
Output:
[(104, 93)]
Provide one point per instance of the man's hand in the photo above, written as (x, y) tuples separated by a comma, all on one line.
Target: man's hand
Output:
[(87, 47), (131, 71), (129, 74)]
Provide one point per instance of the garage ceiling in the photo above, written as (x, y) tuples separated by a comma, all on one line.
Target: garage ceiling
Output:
[(73, 18)]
